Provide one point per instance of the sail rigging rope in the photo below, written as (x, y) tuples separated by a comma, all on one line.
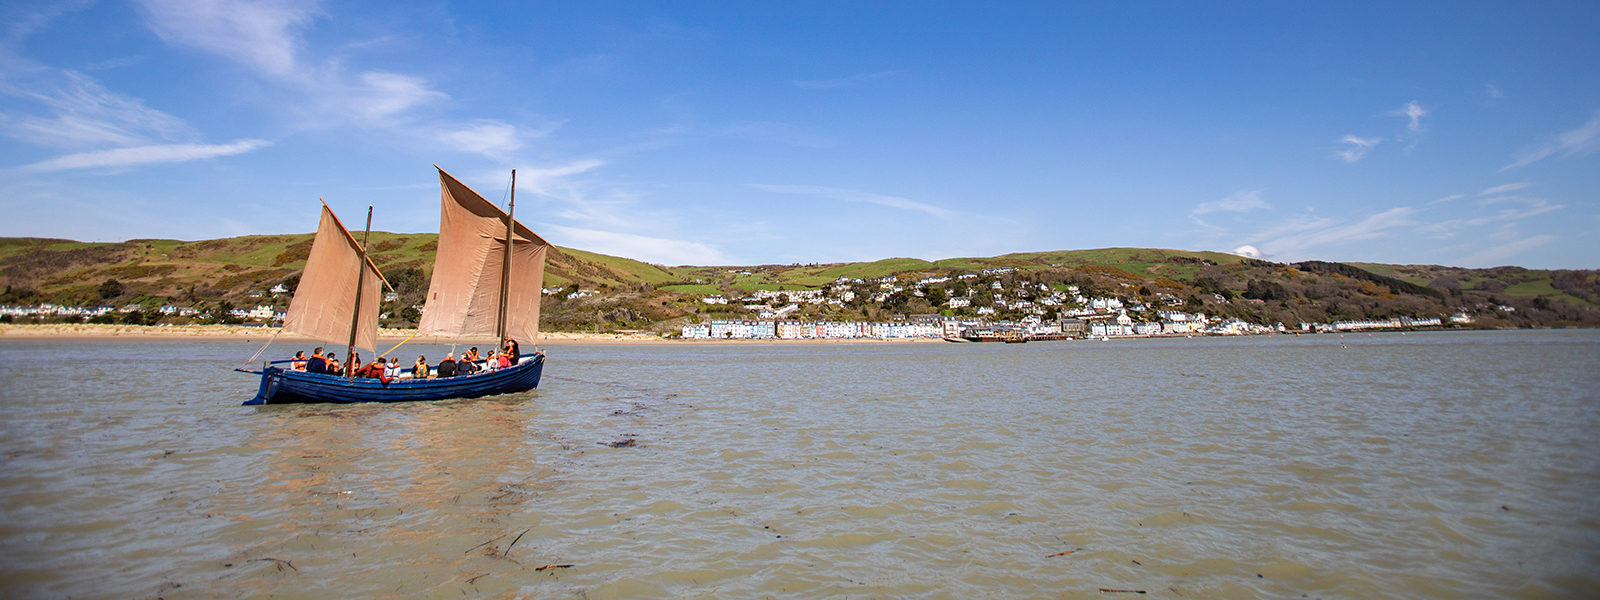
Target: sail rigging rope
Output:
[(253, 357), (402, 343)]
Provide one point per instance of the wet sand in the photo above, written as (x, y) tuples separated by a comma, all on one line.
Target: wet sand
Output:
[(139, 333)]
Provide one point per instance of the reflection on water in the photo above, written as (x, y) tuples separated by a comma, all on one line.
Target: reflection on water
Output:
[(1426, 465)]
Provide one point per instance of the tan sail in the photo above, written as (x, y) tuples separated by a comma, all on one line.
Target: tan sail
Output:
[(325, 303), (464, 294)]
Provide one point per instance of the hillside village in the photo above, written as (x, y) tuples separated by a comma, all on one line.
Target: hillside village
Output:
[(1100, 293), (1046, 312), (1049, 314)]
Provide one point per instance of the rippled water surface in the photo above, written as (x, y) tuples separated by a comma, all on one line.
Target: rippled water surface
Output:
[(1438, 465)]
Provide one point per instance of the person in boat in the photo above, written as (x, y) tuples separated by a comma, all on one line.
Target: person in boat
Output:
[(355, 363), (317, 363), (333, 365), (298, 363), (504, 359), (392, 370), (491, 362), (371, 371), (420, 370), (513, 349), (447, 366), (464, 365), (472, 355)]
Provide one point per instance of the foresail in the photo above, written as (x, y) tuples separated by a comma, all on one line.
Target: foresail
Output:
[(464, 293), (325, 303)]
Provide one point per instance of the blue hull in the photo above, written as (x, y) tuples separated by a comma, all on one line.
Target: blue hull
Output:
[(279, 386)]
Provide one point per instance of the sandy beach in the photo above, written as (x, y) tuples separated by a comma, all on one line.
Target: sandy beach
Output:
[(139, 333)]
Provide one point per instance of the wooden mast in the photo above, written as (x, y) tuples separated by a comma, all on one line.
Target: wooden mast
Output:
[(355, 316), (505, 264)]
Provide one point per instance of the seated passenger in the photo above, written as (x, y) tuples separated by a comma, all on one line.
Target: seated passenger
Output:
[(420, 369), (299, 361), (371, 371), (392, 370), (317, 363), (464, 366), (447, 367)]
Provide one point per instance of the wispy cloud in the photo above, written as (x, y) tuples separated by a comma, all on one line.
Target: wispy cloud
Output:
[(1357, 147), (1493, 91), (1413, 112), (1502, 254), (776, 132), (1315, 236), (1242, 201), (1568, 143), (855, 196), (828, 84), (1374, 226), (1501, 189), (1523, 208), (265, 37), (142, 155), (378, 97), (21, 21), (490, 138), (541, 179), (84, 114), (661, 251), (260, 34)]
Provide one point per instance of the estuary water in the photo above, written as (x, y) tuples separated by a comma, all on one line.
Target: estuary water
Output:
[(1424, 465)]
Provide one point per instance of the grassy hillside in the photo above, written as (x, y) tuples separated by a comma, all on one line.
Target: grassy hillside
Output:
[(634, 294), (71, 272)]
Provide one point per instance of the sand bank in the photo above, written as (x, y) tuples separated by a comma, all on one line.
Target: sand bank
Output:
[(137, 333)]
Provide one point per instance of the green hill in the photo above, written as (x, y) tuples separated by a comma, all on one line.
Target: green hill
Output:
[(632, 294)]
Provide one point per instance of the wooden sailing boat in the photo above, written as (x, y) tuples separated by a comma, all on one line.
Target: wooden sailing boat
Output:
[(474, 293)]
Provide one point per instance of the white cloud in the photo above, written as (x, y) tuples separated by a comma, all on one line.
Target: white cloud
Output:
[(380, 96), (660, 251), (1567, 143), (264, 36), (1501, 189), (495, 139), (1358, 147), (259, 34), (855, 196), (1493, 91), (1414, 113), (143, 155), (573, 168)]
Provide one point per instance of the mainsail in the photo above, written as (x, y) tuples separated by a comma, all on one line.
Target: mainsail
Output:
[(464, 294), (325, 302)]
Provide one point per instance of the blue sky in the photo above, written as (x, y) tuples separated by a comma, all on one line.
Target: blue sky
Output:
[(765, 132)]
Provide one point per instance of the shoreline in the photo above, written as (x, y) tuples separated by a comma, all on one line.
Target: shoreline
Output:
[(239, 333)]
